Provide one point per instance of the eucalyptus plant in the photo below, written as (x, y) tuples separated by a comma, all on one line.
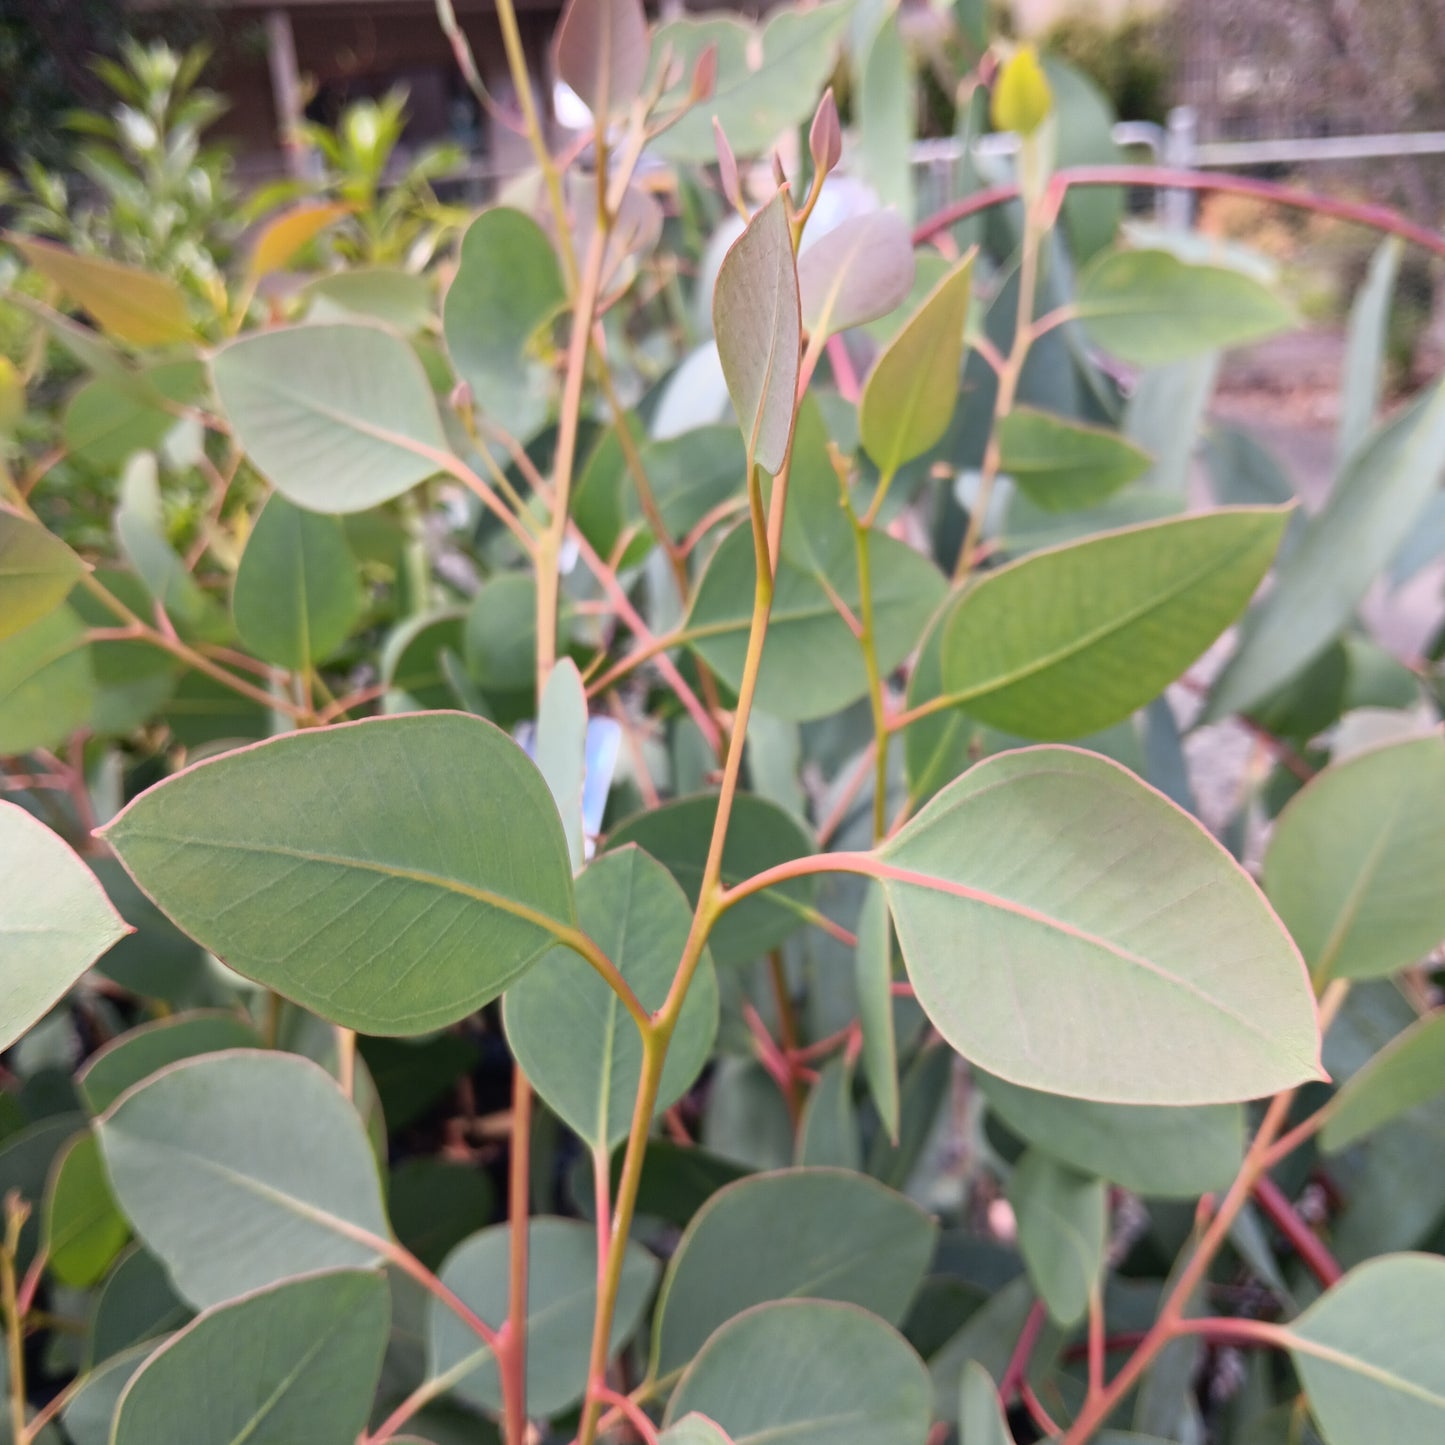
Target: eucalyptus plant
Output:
[(759, 701)]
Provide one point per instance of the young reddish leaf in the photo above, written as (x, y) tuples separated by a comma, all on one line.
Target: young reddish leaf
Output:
[(860, 270), (825, 135), (909, 396), (727, 165), (602, 52), (756, 317)]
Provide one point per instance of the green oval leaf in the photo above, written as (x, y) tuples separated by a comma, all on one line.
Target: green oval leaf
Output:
[(1072, 640), (1368, 1353), (1048, 903), (561, 1302), (508, 285), (1065, 466), (811, 1372), (1355, 861), (239, 1169), (37, 570), (91, 1409), (756, 319), (145, 1050), (1159, 1152), (339, 417), (1407, 1072), (297, 1362), (1149, 308), (909, 396), (796, 1233), (136, 1304), (873, 971), (695, 1429), (297, 594), (55, 920), (1062, 1224), (47, 687), (84, 1231), (980, 1413), (760, 834), (392, 875), (570, 1031)]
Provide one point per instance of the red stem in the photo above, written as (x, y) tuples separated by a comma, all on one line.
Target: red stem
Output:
[(1307, 1244), (1379, 218), (1013, 1375)]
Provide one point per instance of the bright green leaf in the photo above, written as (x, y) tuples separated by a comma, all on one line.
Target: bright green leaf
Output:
[(1048, 904), (909, 396), (796, 1233), (812, 1372), (297, 593), (297, 1362), (1063, 465), (755, 312), (239, 1169), (1072, 640), (561, 1302), (570, 1032), (47, 686), (1149, 308), (1063, 1221), (396, 903), (84, 1231), (339, 417), (1355, 861), (37, 570), (55, 921)]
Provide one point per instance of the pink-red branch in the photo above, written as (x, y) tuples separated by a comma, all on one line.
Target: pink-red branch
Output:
[(1290, 1223)]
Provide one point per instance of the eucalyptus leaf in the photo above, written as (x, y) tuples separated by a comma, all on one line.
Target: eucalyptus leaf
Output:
[(1063, 465), (1035, 947), (1062, 1226), (396, 904), (859, 271), (37, 570), (242, 1168), (83, 1229), (1407, 1072), (601, 49), (148, 1048), (55, 921), (47, 684), (873, 962)]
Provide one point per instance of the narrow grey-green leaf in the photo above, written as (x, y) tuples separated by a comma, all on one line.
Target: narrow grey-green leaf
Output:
[(1062, 1222), (811, 1372), (873, 963), (392, 875), (1074, 639), (980, 1412), (1407, 1072), (1160, 1152), (569, 1030), (297, 593), (148, 1048), (885, 108), (795, 1233), (562, 749), (1063, 465), (829, 1132), (860, 270), (1356, 857), (340, 417), (758, 327), (37, 570), (1149, 308), (296, 1362), (1370, 1353), (561, 1302), (508, 285), (55, 920), (91, 1410), (909, 396), (1048, 904), (1363, 374), (601, 51), (241, 1168), (1375, 505)]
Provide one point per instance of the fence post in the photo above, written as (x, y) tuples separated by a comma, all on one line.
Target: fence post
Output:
[(1180, 140)]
